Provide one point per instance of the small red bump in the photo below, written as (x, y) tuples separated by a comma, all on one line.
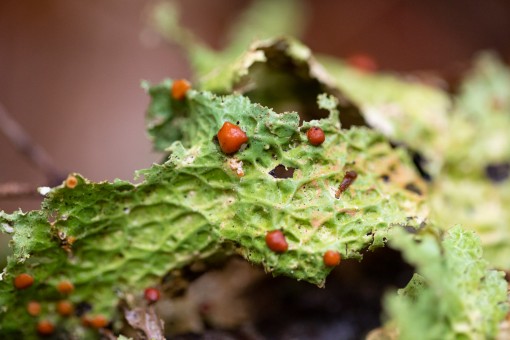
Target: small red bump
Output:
[(332, 258), (23, 281), (98, 321), (71, 182), (151, 295), (231, 137), (34, 308), (45, 327), (275, 240), (65, 308), (315, 136), (179, 88), (65, 287), (363, 62)]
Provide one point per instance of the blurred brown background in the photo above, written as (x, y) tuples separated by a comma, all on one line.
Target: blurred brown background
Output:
[(70, 69)]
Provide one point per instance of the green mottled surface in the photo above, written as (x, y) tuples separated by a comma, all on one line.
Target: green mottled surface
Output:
[(195, 205), (404, 110), (479, 137), (455, 295), (460, 138)]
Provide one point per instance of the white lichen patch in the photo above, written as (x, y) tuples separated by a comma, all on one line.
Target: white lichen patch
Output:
[(193, 153), (7, 228), (188, 160), (44, 190), (237, 166), (381, 117)]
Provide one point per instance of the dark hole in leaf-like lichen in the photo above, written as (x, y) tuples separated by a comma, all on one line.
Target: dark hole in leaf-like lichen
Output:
[(410, 229), (281, 171), (498, 172), (82, 308), (419, 161), (413, 188), (385, 178)]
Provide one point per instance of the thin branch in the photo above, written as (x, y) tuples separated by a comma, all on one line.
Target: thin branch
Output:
[(22, 141), (16, 190)]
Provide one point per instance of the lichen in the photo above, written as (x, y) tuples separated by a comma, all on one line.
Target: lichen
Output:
[(455, 295), (194, 206)]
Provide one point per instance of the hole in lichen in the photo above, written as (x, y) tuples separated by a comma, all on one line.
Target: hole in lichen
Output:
[(413, 188), (385, 178), (412, 229), (498, 172), (82, 308), (52, 217), (281, 171), (420, 162)]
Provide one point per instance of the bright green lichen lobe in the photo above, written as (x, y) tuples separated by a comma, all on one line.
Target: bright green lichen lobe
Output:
[(202, 202), (455, 295), (247, 201)]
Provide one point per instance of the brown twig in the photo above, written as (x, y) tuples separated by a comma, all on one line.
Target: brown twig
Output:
[(12, 190), (22, 141)]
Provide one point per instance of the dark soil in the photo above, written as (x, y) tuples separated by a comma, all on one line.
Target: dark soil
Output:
[(348, 308)]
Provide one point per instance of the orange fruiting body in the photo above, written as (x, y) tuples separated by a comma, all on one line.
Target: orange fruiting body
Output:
[(315, 136), (45, 327), (276, 241), (98, 321), (331, 258), (71, 182), (179, 88), (34, 308), (23, 281), (65, 308), (65, 287), (151, 295), (362, 62), (231, 137)]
